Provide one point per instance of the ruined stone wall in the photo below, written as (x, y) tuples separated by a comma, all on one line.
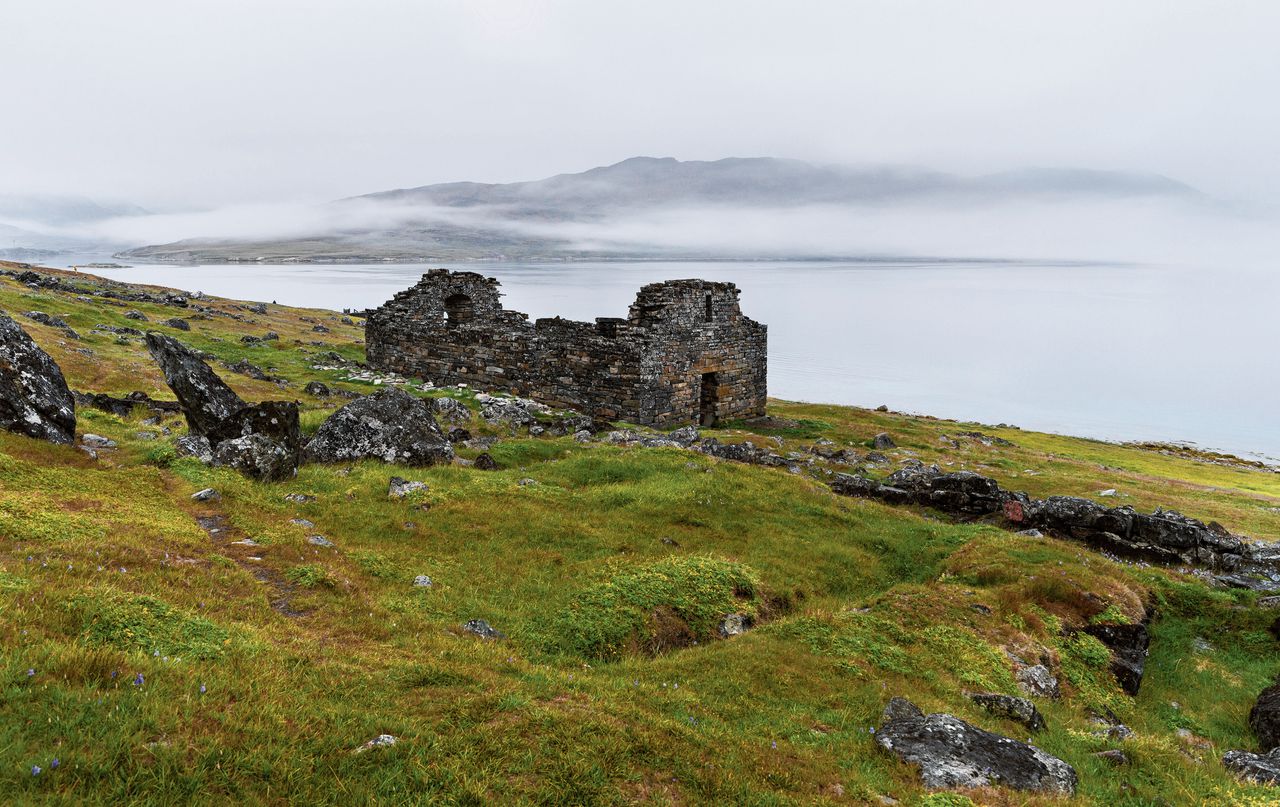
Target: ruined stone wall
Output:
[(696, 328), (649, 368)]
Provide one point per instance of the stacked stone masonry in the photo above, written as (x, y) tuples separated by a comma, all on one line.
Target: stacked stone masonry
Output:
[(684, 354)]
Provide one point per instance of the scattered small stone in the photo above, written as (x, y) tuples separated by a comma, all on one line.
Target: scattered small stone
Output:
[(882, 408), (1019, 710), (526, 481), (399, 488), (1107, 492), (734, 625), (483, 629), (206, 495), (302, 522), (196, 446), (299, 498), (1115, 756), (422, 581), (1036, 680), (317, 389), (883, 441), (485, 462), (1031, 533), (136, 315), (582, 436), (178, 324), (319, 540), (97, 441)]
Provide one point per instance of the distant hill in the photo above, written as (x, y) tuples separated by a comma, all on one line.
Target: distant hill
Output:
[(513, 221)]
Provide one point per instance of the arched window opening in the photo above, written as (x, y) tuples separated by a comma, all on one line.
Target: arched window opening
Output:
[(458, 310)]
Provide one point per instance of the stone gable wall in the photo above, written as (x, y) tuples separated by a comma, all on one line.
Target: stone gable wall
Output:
[(648, 368)]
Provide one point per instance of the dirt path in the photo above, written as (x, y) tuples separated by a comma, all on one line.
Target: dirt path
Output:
[(248, 555)]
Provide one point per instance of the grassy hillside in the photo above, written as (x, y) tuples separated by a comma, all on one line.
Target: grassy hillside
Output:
[(160, 659)]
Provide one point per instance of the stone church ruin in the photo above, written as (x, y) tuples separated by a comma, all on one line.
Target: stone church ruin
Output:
[(684, 354)]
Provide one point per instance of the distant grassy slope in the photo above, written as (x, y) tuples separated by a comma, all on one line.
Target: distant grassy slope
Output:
[(105, 576)]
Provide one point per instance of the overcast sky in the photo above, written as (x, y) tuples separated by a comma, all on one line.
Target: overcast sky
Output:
[(204, 102)]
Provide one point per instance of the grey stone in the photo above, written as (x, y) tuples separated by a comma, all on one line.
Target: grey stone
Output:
[(1263, 769), (483, 629), (422, 581), (208, 403), (1115, 756), (34, 398), (136, 315), (306, 524), (883, 441), (317, 389), (256, 456), (381, 741), (1037, 680), (1019, 710), (299, 498), (390, 425), (1128, 645), (97, 441), (954, 754), (319, 540), (196, 446), (451, 411), (177, 324), (484, 462), (734, 625), (399, 488), (206, 495)]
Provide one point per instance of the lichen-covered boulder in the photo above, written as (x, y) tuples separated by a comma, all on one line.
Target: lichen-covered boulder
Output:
[(206, 400), (954, 754), (1261, 768), (258, 457), (34, 398), (390, 425)]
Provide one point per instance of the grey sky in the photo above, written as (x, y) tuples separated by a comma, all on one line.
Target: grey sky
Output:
[(202, 102)]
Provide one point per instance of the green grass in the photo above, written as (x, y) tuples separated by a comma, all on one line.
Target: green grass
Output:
[(602, 575)]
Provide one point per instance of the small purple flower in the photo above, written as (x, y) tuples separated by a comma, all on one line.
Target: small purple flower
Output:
[(202, 689), (139, 680), (114, 673), (30, 673), (35, 770), (774, 744), (872, 729), (54, 764)]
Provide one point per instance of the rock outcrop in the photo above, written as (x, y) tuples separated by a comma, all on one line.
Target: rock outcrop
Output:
[(1128, 645), (954, 754), (1163, 537), (390, 425), (34, 398)]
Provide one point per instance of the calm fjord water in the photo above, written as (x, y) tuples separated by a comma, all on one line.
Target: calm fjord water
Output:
[(1108, 351)]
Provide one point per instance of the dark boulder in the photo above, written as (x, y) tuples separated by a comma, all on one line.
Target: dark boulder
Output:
[(177, 324), (882, 441), (1128, 646), (1261, 768), (485, 462), (256, 456), (246, 368), (1019, 710), (1264, 718), (390, 425), (317, 389), (483, 629), (954, 754), (34, 398), (206, 400)]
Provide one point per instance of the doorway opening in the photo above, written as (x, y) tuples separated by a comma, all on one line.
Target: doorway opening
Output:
[(458, 309), (709, 400)]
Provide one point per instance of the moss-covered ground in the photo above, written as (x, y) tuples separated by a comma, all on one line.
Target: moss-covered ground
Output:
[(160, 663)]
